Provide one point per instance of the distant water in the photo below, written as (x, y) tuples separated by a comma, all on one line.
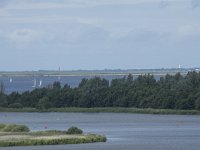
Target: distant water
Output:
[(25, 83), (124, 131)]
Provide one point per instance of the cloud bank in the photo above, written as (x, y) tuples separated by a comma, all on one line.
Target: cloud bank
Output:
[(99, 34)]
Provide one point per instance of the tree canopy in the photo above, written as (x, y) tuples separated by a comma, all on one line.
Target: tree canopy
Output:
[(169, 92)]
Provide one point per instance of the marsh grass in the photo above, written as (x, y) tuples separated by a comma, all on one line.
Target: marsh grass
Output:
[(107, 110), (48, 133), (13, 128), (30, 140), (18, 135), (124, 110)]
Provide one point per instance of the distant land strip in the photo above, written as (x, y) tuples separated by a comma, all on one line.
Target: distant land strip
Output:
[(135, 72)]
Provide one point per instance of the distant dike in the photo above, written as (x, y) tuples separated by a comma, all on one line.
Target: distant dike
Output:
[(106, 72)]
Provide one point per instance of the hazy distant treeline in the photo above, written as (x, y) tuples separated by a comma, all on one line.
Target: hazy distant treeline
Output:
[(170, 92)]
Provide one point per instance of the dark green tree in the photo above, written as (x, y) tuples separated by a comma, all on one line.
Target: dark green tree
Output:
[(44, 103)]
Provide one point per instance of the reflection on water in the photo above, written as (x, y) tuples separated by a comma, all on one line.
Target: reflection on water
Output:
[(124, 131)]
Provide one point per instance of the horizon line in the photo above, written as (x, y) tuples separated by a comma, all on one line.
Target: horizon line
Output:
[(116, 69)]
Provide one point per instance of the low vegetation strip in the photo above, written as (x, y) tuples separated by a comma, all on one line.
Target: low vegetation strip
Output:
[(13, 128), (126, 110), (106, 110), (52, 137), (30, 140)]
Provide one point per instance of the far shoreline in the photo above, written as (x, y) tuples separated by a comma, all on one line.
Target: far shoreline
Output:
[(106, 110), (105, 72)]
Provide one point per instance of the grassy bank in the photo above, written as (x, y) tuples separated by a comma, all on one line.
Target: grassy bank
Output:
[(31, 139), (106, 110), (51, 137)]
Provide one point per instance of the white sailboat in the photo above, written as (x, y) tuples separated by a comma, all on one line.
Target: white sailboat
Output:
[(34, 83), (11, 80), (40, 83)]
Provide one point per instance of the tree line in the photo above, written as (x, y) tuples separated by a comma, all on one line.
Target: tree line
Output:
[(169, 92)]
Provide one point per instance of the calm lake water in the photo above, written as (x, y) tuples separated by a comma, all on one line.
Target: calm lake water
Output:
[(124, 131), (26, 83)]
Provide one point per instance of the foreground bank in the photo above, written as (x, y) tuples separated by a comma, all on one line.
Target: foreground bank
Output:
[(106, 110), (19, 135)]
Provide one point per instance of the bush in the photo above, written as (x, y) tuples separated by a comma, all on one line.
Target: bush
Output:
[(3, 101), (20, 128), (2, 126), (44, 103), (14, 128), (15, 105), (74, 130), (197, 104)]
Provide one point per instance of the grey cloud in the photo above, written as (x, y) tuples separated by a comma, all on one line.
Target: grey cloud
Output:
[(141, 35), (23, 33), (3, 3), (165, 3), (94, 34), (98, 28), (195, 3), (76, 34), (20, 37)]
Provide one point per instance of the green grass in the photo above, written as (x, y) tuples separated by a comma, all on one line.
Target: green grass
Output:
[(51, 137), (107, 110), (48, 133), (13, 128), (31, 140)]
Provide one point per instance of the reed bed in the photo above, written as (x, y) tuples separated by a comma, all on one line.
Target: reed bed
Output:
[(107, 110), (19, 135)]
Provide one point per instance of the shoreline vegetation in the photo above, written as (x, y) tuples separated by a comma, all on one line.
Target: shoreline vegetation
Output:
[(106, 110), (171, 94), (20, 135)]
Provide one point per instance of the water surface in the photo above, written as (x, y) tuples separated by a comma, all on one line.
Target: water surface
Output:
[(124, 131)]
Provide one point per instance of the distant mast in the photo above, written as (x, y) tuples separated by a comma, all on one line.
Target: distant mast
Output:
[(59, 74)]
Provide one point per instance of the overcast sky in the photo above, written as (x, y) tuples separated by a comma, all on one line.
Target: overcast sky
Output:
[(99, 34)]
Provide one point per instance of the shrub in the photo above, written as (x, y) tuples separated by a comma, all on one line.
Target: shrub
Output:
[(197, 104), (74, 130), (15, 105), (21, 128), (44, 103), (3, 101), (2, 126), (15, 128)]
